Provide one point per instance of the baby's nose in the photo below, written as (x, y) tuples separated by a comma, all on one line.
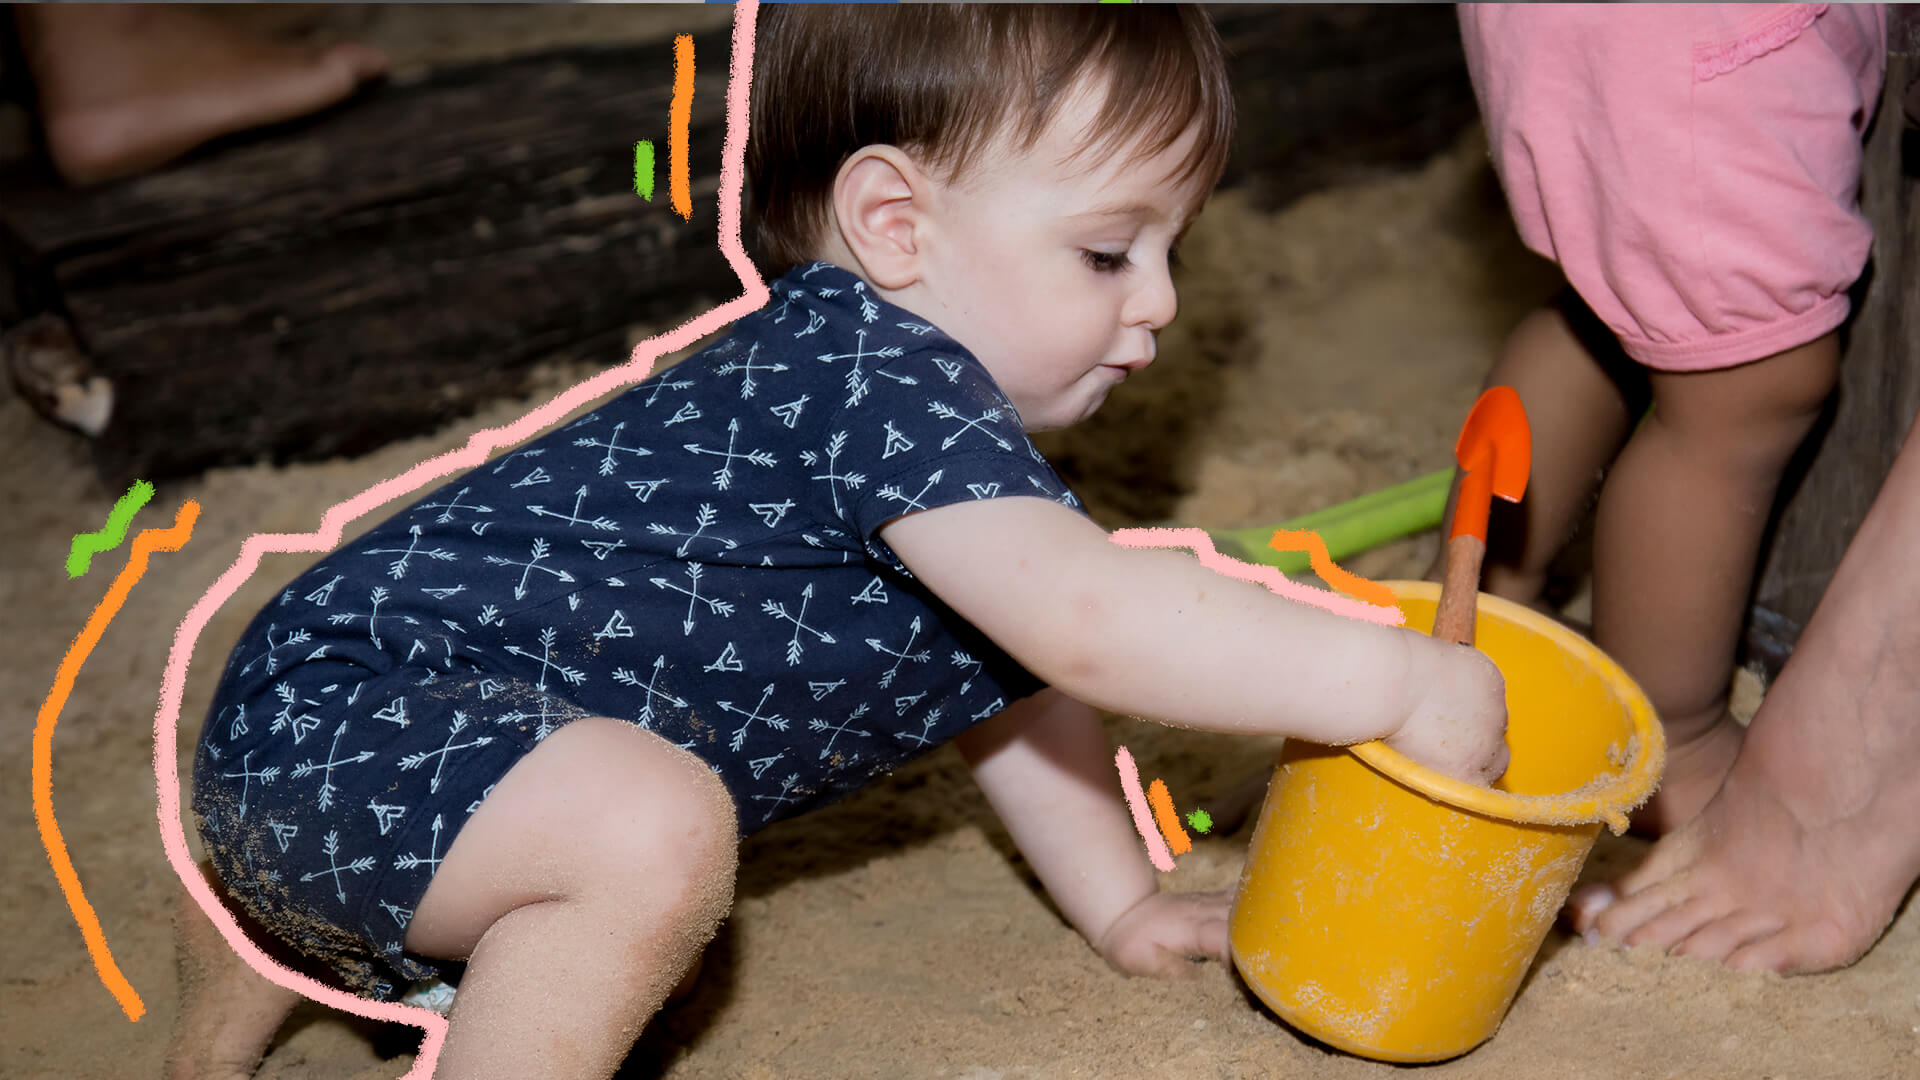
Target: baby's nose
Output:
[(1156, 303)]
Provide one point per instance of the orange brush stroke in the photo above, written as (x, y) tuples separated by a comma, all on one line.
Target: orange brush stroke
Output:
[(149, 541), (1168, 821), (679, 117), (1352, 584), (1270, 578)]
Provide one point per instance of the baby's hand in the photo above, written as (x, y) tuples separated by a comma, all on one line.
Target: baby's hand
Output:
[(1457, 722), (1158, 935)]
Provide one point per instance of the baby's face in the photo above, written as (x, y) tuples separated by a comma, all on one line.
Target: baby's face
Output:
[(1055, 275)]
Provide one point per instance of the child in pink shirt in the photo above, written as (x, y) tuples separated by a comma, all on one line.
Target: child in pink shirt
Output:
[(1694, 171)]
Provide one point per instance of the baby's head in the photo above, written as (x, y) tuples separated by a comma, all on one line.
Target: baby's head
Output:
[(1017, 174)]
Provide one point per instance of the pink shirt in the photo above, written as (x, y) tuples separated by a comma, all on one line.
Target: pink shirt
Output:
[(1694, 169)]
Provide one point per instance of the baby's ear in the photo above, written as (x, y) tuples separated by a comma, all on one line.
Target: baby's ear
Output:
[(879, 204)]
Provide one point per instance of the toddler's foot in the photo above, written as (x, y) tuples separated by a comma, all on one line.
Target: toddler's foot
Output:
[(1695, 768), (228, 1011), (126, 88), (1800, 861)]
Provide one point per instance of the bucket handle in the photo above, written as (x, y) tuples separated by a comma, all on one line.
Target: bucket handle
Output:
[(1610, 802)]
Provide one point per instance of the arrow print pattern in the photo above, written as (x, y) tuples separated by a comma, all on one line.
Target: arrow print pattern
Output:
[(698, 556)]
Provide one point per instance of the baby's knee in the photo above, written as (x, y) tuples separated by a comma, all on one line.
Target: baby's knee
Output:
[(664, 855), (703, 845), (663, 822)]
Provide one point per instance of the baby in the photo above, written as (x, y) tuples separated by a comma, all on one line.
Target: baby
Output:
[(525, 723)]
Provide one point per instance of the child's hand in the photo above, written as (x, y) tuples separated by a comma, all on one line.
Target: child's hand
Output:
[(1457, 722), (1159, 935)]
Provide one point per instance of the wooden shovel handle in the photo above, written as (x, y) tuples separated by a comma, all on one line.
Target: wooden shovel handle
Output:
[(1460, 593)]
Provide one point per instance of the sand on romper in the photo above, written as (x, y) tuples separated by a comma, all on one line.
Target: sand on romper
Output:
[(1322, 351)]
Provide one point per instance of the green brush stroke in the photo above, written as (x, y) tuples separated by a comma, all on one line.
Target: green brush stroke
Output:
[(1200, 821), (1350, 527), (108, 536), (643, 169)]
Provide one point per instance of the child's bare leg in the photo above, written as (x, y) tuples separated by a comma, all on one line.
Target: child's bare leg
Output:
[(1676, 544), (1805, 854), (1578, 418), (126, 87), (579, 893), (228, 1011)]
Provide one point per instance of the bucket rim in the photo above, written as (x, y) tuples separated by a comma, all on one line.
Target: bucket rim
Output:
[(1609, 802)]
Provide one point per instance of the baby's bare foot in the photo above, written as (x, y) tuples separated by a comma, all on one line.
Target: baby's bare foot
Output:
[(229, 1012), (125, 88)]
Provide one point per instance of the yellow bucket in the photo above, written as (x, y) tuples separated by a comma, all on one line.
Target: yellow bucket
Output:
[(1391, 911)]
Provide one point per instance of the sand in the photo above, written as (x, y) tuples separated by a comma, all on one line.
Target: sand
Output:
[(1324, 350)]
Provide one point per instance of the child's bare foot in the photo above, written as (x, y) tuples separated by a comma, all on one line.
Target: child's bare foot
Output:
[(1800, 861), (228, 1011), (124, 88), (1696, 766)]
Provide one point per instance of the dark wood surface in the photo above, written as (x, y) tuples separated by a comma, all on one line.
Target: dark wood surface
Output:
[(367, 274), (1839, 475), (1331, 93)]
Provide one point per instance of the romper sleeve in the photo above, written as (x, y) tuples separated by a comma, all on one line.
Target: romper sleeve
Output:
[(940, 432)]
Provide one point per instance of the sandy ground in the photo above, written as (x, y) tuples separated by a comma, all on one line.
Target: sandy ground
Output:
[(1324, 350)]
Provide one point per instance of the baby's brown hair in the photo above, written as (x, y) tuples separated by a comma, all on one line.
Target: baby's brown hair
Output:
[(942, 81)]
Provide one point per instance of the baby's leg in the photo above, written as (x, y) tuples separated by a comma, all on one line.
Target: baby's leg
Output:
[(579, 893), (228, 1011), (1676, 544), (1578, 417)]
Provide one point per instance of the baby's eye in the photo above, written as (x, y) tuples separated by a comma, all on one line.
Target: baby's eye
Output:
[(1106, 262), (1173, 259)]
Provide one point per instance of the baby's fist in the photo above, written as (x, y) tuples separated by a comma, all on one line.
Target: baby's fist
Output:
[(1457, 722), (1160, 934)]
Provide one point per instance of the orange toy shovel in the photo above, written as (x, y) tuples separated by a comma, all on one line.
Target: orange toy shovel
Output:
[(1495, 453)]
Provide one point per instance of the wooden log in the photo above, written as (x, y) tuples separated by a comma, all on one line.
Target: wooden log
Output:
[(367, 274), (1828, 492), (1333, 93)]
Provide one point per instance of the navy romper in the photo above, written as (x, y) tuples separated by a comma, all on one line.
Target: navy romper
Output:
[(698, 556)]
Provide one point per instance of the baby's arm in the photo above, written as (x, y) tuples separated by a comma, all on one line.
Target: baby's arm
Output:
[(1047, 768), (1153, 633)]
